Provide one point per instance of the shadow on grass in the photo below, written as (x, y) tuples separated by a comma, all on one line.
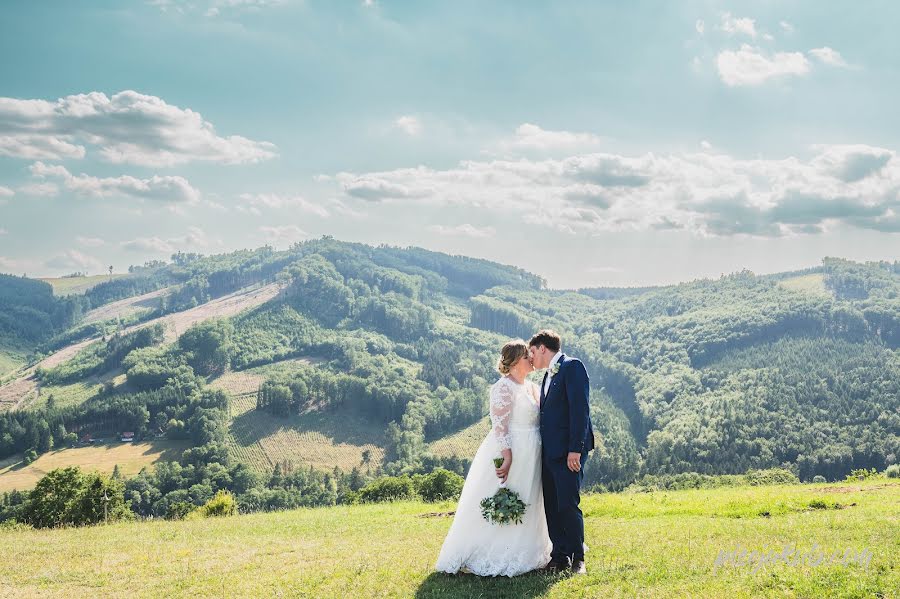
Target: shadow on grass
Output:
[(533, 584)]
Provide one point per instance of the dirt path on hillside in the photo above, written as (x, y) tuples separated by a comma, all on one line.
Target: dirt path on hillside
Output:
[(125, 307), (25, 386)]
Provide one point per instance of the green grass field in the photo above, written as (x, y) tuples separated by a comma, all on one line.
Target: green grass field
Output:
[(130, 457), (12, 356), (77, 285), (813, 284), (662, 544)]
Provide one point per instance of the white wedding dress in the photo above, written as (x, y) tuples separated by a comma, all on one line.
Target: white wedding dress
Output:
[(476, 545)]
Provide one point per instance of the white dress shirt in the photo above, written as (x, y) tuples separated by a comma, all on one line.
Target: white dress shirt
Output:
[(550, 376)]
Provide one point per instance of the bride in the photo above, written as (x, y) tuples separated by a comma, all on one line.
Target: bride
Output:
[(474, 545)]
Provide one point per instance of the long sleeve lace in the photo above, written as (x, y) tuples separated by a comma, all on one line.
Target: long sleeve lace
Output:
[(501, 411)]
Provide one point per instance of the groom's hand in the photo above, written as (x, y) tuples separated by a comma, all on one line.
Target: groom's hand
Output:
[(573, 461)]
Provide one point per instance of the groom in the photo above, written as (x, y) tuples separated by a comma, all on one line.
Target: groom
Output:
[(567, 437)]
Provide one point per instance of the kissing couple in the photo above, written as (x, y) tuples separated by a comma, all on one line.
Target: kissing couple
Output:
[(544, 435)]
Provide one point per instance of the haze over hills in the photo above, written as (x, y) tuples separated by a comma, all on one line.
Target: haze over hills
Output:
[(377, 360)]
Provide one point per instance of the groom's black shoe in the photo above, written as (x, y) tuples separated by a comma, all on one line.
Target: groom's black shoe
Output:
[(578, 566), (557, 566)]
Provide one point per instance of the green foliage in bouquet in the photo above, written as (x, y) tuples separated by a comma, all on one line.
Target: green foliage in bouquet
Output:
[(503, 507)]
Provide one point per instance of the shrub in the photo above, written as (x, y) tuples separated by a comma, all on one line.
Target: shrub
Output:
[(439, 485), (222, 504), (388, 488), (861, 474), (179, 510), (893, 471), (771, 476), (819, 479), (30, 456)]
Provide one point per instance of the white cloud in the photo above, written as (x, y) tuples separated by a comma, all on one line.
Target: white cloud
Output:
[(14, 265), (257, 203), (409, 124), (738, 25), (749, 66), (156, 188), (700, 26), (73, 260), (705, 145), (829, 56), (3, 231), (530, 137), (214, 8), (129, 128), (464, 230), (148, 244), (195, 239), (282, 234), (90, 242), (37, 147), (39, 189), (704, 193), (6, 192), (786, 27)]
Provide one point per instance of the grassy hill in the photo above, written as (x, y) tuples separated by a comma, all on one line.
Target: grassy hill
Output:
[(78, 285), (333, 354), (659, 544)]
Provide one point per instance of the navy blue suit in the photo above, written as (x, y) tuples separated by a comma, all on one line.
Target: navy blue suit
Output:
[(565, 427)]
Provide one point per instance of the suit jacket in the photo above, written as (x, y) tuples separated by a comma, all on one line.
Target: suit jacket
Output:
[(565, 411)]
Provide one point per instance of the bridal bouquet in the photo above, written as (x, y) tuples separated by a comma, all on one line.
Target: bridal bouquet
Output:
[(504, 506)]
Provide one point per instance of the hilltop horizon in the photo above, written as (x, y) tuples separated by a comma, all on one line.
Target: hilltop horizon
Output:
[(548, 286)]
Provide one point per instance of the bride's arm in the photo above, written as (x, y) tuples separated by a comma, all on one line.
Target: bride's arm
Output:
[(501, 410)]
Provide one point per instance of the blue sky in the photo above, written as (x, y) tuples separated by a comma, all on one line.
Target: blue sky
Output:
[(593, 143)]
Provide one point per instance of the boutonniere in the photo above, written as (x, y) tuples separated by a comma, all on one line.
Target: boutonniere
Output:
[(554, 369)]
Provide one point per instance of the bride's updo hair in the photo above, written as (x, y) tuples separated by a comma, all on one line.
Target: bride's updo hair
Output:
[(511, 353)]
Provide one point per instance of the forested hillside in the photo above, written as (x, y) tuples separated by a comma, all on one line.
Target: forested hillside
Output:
[(364, 359)]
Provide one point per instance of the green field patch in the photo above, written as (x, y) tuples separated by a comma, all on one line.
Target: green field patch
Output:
[(78, 285), (319, 439), (814, 284), (131, 457)]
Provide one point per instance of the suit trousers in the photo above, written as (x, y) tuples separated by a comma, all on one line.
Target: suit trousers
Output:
[(562, 496)]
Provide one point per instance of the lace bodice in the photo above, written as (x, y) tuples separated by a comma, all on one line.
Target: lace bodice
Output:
[(512, 406)]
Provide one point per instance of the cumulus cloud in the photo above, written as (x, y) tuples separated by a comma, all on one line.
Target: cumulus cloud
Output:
[(786, 27), (148, 244), (464, 230), (530, 138), (6, 192), (829, 56), (751, 66), (700, 26), (375, 189), (128, 127), (72, 260), (194, 239), (409, 124), (3, 231), (39, 189), (738, 25), (257, 203), (704, 193), (282, 234), (156, 188)]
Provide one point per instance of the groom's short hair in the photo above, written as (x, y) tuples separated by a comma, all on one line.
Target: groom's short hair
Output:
[(549, 339)]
